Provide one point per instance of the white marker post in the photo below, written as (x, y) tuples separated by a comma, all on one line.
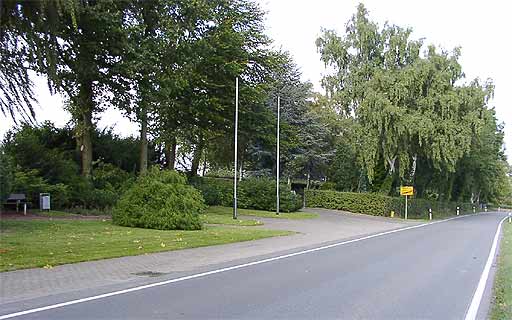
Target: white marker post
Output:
[(458, 210), (430, 213), (406, 207), (277, 158), (235, 213), (474, 209), (509, 217)]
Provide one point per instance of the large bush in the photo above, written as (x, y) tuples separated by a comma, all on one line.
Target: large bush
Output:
[(381, 205), (160, 200), (253, 193)]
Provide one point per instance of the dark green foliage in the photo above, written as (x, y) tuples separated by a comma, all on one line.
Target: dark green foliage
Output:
[(160, 200), (6, 175), (43, 159), (216, 192), (382, 205), (328, 186), (253, 193), (31, 184)]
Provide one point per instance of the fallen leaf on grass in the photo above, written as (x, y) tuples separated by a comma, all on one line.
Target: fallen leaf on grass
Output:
[(48, 266)]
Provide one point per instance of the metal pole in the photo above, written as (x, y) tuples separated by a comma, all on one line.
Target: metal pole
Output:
[(405, 207), (235, 213), (277, 159)]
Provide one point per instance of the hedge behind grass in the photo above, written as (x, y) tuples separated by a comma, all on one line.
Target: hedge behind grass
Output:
[(382, 205), (253, 193)]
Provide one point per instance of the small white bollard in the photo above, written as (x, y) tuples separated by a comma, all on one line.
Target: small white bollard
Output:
[(474, 209), (510, 218), (458, 210), (430, 213), (25, 209), (485, 208)]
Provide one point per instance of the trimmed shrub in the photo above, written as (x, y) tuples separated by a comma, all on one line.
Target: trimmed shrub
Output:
[(253, 193), (160, 200), (381, 205)]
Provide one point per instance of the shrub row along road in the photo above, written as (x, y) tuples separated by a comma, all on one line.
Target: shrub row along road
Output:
[(428, 272)]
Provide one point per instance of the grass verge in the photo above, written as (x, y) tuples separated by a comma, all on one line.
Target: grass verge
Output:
[(228, 211), (46, 243), (227, 219), (502, 301)]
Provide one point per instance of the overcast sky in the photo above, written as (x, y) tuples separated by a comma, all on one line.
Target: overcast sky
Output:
[(481, 28)]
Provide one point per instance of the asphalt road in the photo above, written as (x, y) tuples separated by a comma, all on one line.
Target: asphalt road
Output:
[(429, 272)]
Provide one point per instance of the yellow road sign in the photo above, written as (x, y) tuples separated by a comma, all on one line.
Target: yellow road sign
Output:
[(407, 191)]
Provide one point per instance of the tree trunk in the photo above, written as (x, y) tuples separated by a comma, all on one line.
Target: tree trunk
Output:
[(197, 157), (85, 127), (170, 153), (143, 161)]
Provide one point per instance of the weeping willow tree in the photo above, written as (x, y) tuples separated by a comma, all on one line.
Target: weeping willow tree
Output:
[(410, 107), (28, 42)]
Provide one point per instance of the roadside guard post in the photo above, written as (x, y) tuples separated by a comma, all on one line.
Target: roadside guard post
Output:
[(430, 213), (458, 210), (406, 191), (510, 217)]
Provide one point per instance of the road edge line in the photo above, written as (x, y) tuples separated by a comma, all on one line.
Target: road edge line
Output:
[(472, 311), (208, 273)]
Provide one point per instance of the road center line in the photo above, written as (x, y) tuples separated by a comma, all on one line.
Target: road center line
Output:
[(240, 266), (479, 292)]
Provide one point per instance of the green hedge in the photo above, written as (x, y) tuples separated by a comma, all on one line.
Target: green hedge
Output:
[(381, 205), (253, 193), (160, 200)]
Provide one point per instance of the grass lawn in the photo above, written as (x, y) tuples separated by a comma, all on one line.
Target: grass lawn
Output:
[(46, 243), (54, 214), (502, 306), (228, 211), (227, 219)]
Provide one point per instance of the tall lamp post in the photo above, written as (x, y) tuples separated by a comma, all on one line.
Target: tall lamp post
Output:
[(277, 158), (235, 213)]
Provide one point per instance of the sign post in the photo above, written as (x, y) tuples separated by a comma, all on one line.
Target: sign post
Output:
[(406, 191)]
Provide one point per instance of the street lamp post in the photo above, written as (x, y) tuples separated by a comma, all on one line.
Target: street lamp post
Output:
[(277, 158), (235, 213)]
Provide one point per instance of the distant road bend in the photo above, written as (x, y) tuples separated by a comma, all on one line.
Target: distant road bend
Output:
[(430, 271)]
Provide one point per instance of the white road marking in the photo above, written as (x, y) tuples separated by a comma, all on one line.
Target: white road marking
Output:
[(204, 274), (479, 292)]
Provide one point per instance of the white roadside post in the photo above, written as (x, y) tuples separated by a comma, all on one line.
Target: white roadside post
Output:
[(458, 210), (510, 217), (474, 209), (430, 213), (406, 207), (277, 158), (485, 208), (235, 213)]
